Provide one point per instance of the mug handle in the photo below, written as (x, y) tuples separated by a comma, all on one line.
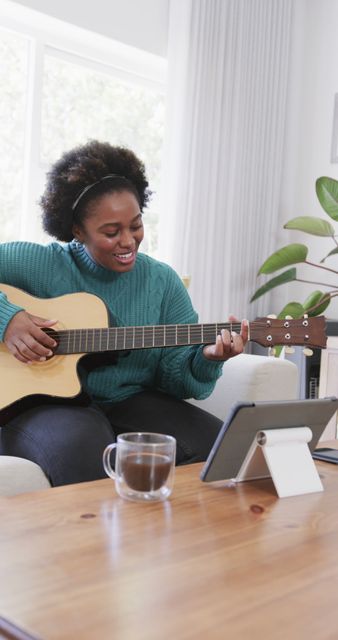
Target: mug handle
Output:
[(106, 460)]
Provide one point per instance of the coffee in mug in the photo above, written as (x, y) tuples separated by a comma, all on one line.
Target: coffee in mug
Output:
[(146, 472), (144, 468)]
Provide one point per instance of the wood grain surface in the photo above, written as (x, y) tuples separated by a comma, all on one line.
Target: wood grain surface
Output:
[(214, 561)]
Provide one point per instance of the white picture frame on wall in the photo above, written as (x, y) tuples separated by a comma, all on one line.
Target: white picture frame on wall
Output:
[(334, 140)]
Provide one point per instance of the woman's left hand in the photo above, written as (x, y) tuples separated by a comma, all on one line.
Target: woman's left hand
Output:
[(228, 344)]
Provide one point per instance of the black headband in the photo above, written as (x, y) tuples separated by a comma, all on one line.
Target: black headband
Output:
[(90, 186)]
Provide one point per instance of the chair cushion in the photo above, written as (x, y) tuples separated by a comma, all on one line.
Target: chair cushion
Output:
[(18, 475), (250, 378)]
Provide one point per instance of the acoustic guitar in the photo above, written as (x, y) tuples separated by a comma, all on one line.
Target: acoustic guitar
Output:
[(57, 380)]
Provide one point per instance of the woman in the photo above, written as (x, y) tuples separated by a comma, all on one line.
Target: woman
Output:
[(93, 205)]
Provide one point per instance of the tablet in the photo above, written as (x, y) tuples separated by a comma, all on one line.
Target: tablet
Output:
[(246, 419)]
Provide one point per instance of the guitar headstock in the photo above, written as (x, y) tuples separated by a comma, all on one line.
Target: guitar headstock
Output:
[(309, 332)]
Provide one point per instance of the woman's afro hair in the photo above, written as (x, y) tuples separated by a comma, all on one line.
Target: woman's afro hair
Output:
[(83, 166)]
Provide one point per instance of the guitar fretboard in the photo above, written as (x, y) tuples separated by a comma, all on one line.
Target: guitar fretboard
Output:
[(127, 338)]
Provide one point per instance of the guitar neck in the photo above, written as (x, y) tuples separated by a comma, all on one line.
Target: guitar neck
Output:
[(128, 338), (265, 331)]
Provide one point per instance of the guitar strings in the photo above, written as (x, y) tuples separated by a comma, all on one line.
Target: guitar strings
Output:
[(138, 337)]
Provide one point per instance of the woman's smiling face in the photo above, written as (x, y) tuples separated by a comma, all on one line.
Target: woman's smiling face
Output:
[(112, 230)]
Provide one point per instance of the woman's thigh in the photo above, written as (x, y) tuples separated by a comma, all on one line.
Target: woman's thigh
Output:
[(194, 429), (67, 442)]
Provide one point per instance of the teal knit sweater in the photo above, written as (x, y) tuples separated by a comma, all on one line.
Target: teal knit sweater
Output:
[(150, 294)]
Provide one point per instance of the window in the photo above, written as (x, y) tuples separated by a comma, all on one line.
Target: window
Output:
[(13, 103), (59, 94)]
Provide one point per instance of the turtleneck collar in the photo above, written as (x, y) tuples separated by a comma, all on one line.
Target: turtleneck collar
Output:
[(83, 257)]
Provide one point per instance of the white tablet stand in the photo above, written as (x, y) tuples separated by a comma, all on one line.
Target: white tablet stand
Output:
[(284, 455)]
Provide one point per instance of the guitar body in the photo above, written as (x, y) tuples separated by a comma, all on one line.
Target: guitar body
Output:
[(23, 386)]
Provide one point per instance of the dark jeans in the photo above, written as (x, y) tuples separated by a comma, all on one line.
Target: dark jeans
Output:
[(68, 442)]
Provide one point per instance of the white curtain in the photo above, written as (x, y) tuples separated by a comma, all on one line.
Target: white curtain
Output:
[(228, 72)]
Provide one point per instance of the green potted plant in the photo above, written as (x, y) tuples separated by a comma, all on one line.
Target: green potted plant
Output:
[(318, 301)]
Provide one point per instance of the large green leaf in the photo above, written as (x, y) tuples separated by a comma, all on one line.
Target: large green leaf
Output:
[(316, 303), (293, 309), (291, 254), (330, 254), (327, 193), (286, 276), (315, 226)]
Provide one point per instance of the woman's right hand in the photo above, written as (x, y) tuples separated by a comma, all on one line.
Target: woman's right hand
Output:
[(26, 340)]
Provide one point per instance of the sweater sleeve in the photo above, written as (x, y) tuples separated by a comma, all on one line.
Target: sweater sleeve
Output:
[(7, 309), (7, 312), (21, 265), (184, 371)]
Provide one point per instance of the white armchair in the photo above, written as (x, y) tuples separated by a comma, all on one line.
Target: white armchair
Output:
[(251, 377), (18, 475), (246, 377)]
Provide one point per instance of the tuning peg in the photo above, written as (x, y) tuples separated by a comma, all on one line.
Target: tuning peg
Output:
[(288, 318), (289, 349), (272, 316), (307, 351)]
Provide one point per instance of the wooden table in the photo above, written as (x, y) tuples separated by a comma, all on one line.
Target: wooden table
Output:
[(214, 561)]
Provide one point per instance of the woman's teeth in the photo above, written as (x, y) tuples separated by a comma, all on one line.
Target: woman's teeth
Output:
[(124, 256)]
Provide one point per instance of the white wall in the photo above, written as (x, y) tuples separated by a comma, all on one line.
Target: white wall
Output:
[(313, 83), (138, 23)]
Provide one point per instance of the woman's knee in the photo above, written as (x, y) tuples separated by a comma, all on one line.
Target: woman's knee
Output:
[(67, 442)]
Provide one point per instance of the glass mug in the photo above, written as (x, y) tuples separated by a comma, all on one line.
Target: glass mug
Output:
[(144, 465)]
